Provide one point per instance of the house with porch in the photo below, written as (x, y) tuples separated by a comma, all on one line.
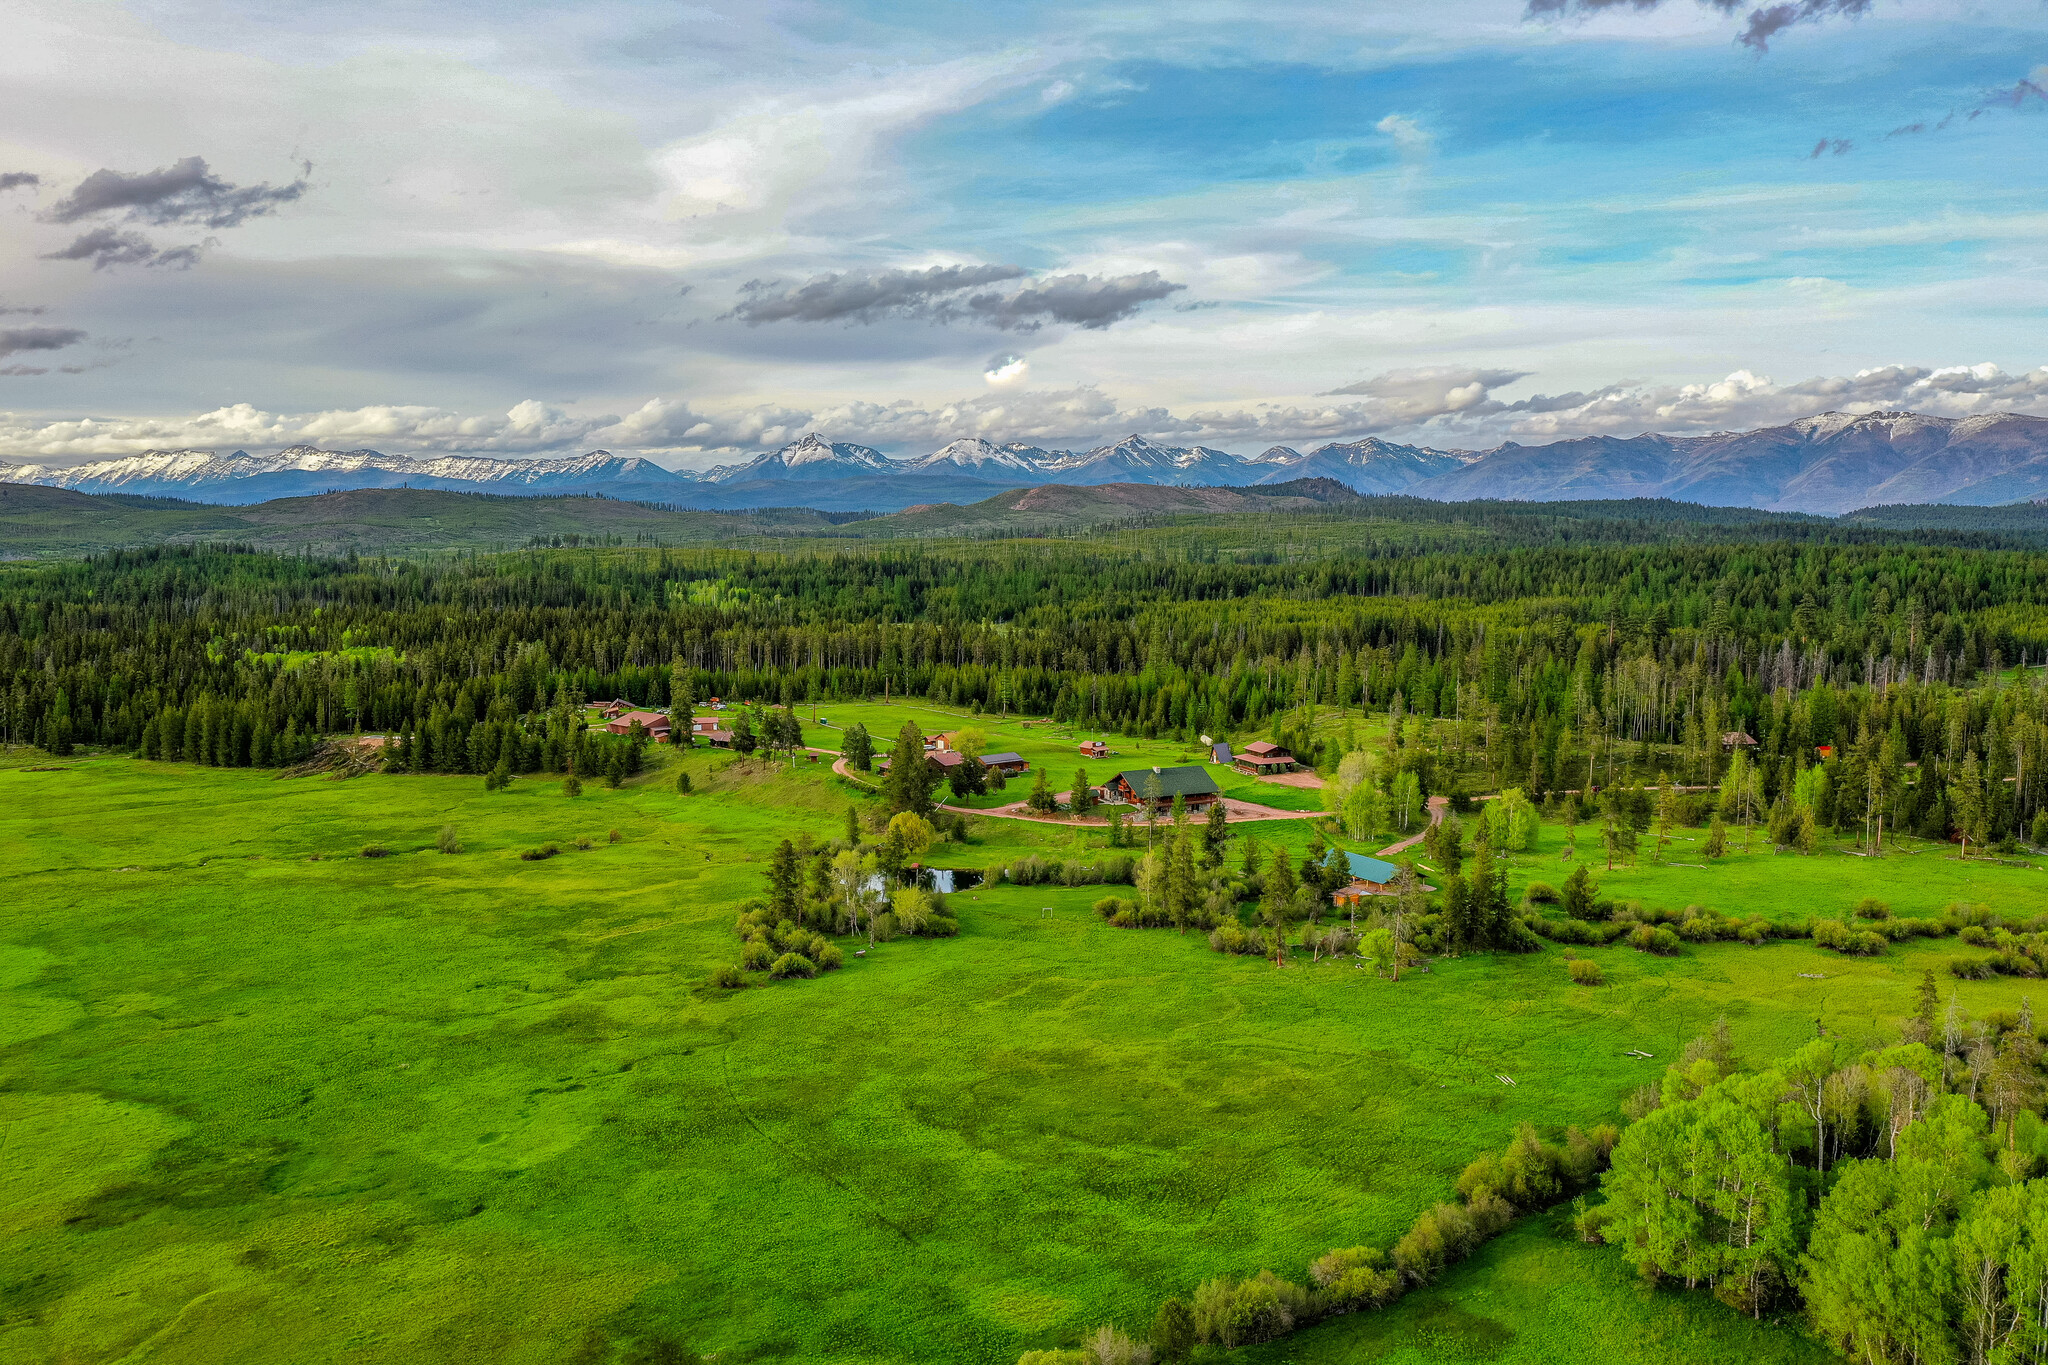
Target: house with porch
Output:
[(1260, 758), (653, 724), (1369, 877), (1159, 786)]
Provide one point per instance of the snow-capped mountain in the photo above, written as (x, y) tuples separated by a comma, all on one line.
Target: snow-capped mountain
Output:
[(1830, 463), (808, 457), (1137, 460), (203, 476), (1369, 466), (973, 454)]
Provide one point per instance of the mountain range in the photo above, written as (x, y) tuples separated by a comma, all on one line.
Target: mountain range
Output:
[(1827, 464)]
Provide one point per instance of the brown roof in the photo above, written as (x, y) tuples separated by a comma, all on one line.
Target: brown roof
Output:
[(1260, 749), (649, 720)]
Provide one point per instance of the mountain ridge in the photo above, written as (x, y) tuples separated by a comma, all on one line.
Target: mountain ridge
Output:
[(1826, 464)]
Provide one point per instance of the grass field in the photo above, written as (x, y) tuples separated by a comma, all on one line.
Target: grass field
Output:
[(260, 1106)]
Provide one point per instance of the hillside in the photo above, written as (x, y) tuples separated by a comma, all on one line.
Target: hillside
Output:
[(1071, 506), (45, 523)]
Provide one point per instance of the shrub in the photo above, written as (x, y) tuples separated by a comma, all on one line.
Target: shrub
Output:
[(583, 842), (1440, 1237), (545, 851), (1240, 1313), (1353, 1278), (1235, 938), (1543, 893), (728, 977), (757, 955), (1872, 908), (792, 964), (572, 785), (1658, 940), (682, 784), (1836, 936), (1585, 972), (1970, 968), (376, 851), (446, 840), (829, 958), (613, 837)]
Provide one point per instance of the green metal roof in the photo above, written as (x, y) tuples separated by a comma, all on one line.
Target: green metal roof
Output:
[(1166, 783)]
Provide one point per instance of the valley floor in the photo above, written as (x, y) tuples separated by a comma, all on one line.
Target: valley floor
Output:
[(256, 1088)]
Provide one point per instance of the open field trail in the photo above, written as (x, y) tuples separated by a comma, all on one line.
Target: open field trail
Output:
[(1439, 807)]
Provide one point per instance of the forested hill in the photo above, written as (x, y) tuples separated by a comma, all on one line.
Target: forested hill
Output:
[(1542, 655), (56, 523)]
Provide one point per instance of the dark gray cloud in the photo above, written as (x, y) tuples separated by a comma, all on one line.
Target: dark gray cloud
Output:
[(1837, 146), (864, 296), (19, 180), (1763, 24), (184, 192), (15, 340), (1091, 302), (108, 246), (955, 293)]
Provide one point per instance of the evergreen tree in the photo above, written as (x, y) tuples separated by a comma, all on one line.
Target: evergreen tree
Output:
[(1081, 800), (911, 776), (785, 880), (1579, 892), (857, 749), (1215, 833)]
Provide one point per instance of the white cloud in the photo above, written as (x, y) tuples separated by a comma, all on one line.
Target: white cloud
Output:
[(1437, 406)]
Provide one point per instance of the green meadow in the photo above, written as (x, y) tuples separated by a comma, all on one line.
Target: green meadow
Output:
[(265, 1098)]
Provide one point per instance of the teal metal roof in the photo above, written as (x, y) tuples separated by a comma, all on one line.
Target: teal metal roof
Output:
[(1366, 869)]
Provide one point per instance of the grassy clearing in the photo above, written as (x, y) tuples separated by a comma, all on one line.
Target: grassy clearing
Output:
[(436, 1107), (1915, 877)]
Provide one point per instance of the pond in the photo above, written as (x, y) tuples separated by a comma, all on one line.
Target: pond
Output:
[(946, 880)]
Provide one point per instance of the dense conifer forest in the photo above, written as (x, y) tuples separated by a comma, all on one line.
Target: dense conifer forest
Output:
[(1544, 666)]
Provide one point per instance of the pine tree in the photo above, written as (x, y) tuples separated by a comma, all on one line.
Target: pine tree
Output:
[(785, 880), (1215, 833), (1667, 813), (908, 784)]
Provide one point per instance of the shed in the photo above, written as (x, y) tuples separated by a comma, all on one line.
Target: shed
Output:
[(1095, 748), (1006, 762), (1737, 739), (718, 739), (1219, 752)]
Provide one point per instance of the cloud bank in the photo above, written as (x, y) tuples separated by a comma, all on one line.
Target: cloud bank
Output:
[(1445, 407)]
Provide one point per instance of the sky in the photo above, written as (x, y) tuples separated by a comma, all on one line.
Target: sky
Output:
[(695, 231)]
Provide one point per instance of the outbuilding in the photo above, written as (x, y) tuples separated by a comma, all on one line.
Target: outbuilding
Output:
[(1006, 763)]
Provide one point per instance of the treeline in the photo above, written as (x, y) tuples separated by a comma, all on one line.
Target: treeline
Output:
[(1544, 667)]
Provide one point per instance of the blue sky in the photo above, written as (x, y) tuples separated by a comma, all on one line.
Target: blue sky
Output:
[(690, 232)]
